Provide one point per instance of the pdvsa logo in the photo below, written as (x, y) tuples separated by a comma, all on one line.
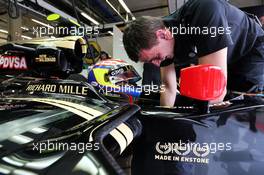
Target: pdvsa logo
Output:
[(13, 62)]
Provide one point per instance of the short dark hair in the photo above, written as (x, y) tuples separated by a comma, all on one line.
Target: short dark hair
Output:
[(141, 34)]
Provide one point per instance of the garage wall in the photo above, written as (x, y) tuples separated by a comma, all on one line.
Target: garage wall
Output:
[(106, 44), (120, 53)]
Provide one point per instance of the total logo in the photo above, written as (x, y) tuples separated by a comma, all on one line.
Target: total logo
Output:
[(13, 62)]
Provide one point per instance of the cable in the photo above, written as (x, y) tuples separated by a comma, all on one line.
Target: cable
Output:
[(12, 6), (259, 94), (75, 12), (85, 36)]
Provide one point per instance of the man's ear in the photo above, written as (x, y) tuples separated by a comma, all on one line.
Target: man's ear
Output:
[(163, 34)]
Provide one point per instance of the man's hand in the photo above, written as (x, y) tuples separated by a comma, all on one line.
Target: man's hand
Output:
[(168, 79)]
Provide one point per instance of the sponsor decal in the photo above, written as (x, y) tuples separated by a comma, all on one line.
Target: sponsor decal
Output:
[(75, 90), (117, 71), (57, 88), (188, 152), (13, 62), (45, 59)]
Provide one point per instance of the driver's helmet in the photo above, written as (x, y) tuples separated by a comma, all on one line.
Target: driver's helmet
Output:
[(114, 75)]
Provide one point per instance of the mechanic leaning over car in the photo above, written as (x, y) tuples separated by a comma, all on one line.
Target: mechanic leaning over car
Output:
[(189, 34)]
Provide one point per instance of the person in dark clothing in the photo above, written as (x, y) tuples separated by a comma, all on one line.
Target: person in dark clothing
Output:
[(151, 74), (203, 31)]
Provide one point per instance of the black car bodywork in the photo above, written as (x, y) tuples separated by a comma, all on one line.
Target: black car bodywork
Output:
[(226, 141), (54, 133), (180, 140)]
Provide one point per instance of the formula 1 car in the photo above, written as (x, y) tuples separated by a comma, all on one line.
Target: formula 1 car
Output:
[(59, 126), (52, 133), (52, 126)]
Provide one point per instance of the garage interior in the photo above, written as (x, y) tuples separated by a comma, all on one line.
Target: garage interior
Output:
[(19, 20), (104, 13)]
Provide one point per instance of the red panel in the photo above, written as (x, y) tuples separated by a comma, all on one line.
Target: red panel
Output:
[(202, 82)]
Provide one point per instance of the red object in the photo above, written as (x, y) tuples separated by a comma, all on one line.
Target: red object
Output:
[(131, 101), (202, 82)]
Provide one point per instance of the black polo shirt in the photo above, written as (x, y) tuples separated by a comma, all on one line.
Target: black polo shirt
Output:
[(202, 27)]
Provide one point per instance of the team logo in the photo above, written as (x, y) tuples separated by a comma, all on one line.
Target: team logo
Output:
[(12, 62), (201, 151), (182, 152), (182, 149), (166, 148)]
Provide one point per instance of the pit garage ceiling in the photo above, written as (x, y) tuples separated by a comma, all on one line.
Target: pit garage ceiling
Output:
[(148, 7), (103, 11)]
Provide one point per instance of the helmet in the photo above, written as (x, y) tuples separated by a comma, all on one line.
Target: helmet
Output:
[(114, 76)]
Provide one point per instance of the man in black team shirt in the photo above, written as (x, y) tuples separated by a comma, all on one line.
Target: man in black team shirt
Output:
[(205, 31)]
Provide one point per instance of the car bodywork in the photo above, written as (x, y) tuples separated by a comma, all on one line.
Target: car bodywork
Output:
[(228, 140), (53, 133), (179, 140)]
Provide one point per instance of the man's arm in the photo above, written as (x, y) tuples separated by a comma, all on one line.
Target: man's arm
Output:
[(218, 58), (168, 79)]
